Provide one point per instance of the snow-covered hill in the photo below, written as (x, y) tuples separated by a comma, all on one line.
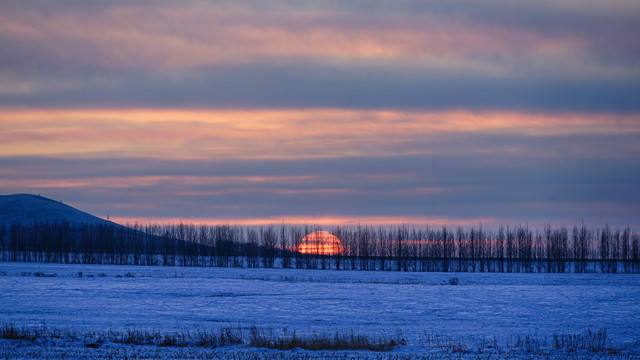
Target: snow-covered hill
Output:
[(29, 209)]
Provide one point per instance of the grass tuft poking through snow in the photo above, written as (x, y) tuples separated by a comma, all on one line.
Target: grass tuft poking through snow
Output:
[(592, 340), (322, 341), (198, 337), (12, 332)]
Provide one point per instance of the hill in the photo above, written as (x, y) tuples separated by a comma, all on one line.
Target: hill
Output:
[(29, 209), (67, 235)]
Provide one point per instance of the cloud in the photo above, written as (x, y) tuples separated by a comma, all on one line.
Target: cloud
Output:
[(305, 133), (357, 86), (451, 111), (294, 54), (495, 186), (194, 33), (161, 35)]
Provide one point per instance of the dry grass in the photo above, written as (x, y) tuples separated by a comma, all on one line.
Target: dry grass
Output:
[(196, 337), (594, 342), (322, 341), (200, 337), (591, 340)]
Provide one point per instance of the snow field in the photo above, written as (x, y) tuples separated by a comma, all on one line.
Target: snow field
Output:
[(422, 308)]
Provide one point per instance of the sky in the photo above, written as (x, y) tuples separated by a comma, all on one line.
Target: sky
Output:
[(451, 112)]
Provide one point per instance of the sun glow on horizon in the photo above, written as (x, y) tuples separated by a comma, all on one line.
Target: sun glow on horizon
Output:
[(320, 243)]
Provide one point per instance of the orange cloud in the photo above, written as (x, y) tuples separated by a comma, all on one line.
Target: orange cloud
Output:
[(123, 182), (313, 133)]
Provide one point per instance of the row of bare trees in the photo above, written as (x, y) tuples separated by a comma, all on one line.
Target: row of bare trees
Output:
[(507, 249)]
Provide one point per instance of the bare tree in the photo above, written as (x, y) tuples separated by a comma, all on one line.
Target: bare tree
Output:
[(625, 247), (539, 251), (284, 247), (615, 252), (605, 243), (635, 252), (269, 241), (511, 249), (252, 248), (500, 248)]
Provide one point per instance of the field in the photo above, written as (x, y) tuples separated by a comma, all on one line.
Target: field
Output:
[(89, 310)]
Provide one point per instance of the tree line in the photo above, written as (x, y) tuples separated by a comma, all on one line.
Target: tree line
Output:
[(508, 249)]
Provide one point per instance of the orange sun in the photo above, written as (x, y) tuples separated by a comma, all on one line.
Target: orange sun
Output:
[(321, 243)]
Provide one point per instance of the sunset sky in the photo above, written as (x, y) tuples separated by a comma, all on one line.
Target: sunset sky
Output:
[(325, 112)]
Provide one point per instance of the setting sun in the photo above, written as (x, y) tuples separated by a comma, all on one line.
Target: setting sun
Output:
[(320, 242)]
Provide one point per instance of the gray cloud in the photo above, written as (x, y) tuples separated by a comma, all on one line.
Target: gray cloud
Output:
[(441, 152), (497, 185), (342, 86), (600, 74)]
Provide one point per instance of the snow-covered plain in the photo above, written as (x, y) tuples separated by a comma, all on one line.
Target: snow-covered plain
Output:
[(492, 306)]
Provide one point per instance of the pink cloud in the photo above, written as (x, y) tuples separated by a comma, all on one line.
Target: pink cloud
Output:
[(313, 133), (322, 220), (131, 36)]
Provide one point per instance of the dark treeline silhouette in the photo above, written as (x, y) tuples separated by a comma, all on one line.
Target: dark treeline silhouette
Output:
[(509, 249)]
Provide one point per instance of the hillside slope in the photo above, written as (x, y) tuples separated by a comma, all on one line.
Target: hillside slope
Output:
[(29, 209)]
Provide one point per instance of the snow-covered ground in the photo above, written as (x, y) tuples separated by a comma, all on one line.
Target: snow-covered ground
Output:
[(419, 305)]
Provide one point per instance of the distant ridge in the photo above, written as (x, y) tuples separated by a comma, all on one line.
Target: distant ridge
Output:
[(29, 209)]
